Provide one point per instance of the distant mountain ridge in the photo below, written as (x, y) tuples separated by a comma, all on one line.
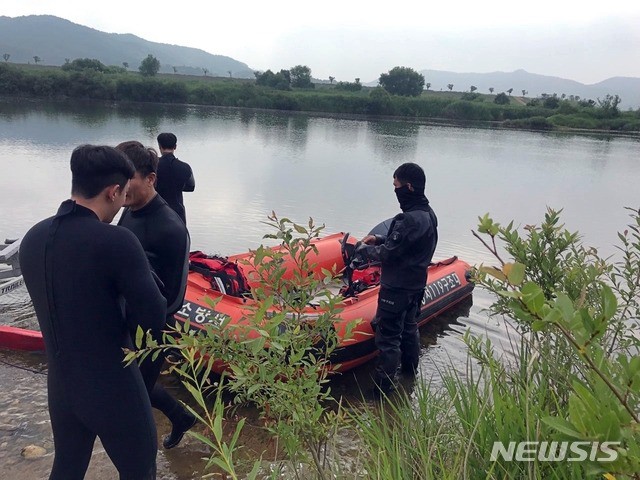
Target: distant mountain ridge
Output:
[(627, 87), (54, 40)]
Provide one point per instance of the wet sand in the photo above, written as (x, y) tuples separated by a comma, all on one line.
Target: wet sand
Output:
[(24, 421)]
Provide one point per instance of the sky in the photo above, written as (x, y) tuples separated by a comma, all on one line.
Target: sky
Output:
[(587, 41)]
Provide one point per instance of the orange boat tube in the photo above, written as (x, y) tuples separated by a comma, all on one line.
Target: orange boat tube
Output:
[(448, 284)]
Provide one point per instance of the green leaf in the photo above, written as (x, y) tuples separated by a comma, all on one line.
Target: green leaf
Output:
[(514, 272), (538, 325), (139, 336), (533, 297), (564, 304), (562, 426), (494, 272), (609, 302)]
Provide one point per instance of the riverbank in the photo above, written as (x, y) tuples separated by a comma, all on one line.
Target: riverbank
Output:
[(521, 113)]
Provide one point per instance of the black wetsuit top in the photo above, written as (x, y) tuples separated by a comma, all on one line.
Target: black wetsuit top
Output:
[(174, 177), (406, 251), (79, 273), (165, 241)]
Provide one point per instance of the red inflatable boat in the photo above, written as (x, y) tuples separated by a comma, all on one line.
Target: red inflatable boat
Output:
[(448, 284)]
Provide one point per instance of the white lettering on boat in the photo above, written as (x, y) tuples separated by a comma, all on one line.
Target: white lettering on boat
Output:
[(439, 288), (200, 315)]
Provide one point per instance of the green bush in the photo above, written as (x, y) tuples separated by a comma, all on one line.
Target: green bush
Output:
[(551, 102), (277, 356), (533, 123), (501, 99), (464, 110)]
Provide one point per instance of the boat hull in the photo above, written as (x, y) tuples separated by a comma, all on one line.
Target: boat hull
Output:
[(447, 285)]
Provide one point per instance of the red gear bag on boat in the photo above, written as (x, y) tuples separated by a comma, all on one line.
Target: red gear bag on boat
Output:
[(225, 276)]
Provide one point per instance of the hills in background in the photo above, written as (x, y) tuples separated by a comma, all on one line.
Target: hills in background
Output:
[(627, 87), (55, 39)]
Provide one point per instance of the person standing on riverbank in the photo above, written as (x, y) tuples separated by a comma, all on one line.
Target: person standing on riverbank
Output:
[(174, 176), (165, 240), (405, 253), (79, 271)]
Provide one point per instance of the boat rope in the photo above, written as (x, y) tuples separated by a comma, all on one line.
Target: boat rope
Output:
[(27, 369)]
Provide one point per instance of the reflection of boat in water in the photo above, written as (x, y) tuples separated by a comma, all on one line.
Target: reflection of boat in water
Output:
[(447, 285)]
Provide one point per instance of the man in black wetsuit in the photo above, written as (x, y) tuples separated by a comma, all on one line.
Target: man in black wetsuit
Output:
[(79, 272), (174, 176), (165, 240), (405, 253)]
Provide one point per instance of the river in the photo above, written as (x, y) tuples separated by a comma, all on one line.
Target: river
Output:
[(337, 171)]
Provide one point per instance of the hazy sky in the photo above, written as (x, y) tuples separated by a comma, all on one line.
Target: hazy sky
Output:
[(586, 40)]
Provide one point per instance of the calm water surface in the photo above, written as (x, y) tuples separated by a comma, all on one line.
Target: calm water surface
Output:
[(337, 171)]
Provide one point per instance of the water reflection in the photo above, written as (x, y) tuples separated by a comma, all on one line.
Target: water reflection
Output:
[(354, 386), (394, 140)]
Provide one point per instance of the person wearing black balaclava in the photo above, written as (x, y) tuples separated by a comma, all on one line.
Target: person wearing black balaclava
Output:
[(405, 253)]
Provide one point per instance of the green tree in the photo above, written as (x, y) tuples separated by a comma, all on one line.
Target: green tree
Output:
[(36, 59), (501, 99), (609, 105), (402, 81), (301, 76), (205, 71), (491, 89), (551, 102), (524, 92), (450, 87), (473, 88), (125, 65), (331, 79), (509, 91), (150, 66), (80, 64), (279, 81), (350, 86), (175, 69), (427, 85), (6, 57)]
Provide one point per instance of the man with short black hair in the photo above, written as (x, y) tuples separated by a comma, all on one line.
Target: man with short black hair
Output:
[(165, 240), (405, 253), (174, 176), (79, 272)]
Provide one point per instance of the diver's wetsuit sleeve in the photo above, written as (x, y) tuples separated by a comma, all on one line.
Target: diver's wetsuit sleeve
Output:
[(145, 304), (402, 234), (190, 183), (175, 267)]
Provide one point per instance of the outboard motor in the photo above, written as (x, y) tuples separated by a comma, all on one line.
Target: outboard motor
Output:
[(360, 273)]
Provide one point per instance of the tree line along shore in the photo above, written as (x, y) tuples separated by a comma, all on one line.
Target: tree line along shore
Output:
[(401, 93)]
